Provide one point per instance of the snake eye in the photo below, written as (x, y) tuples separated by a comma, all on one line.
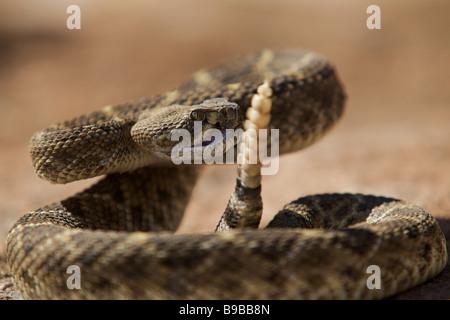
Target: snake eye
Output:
[(198, 115)]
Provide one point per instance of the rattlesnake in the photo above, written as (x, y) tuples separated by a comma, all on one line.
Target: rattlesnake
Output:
[(119, 231)]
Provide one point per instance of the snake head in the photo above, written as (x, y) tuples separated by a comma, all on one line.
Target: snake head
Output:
[(188, 128), (217, 114)]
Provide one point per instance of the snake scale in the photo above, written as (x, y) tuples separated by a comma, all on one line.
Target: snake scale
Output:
[(120, 231)]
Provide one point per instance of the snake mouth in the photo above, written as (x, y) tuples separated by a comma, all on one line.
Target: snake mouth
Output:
[(211, 149)]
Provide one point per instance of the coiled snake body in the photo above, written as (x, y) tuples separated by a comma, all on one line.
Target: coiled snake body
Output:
[(119, 231)]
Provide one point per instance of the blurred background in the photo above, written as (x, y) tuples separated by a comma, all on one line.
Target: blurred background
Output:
[(393, 140)]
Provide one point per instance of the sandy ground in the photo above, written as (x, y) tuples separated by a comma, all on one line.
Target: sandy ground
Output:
[(393, 139)]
